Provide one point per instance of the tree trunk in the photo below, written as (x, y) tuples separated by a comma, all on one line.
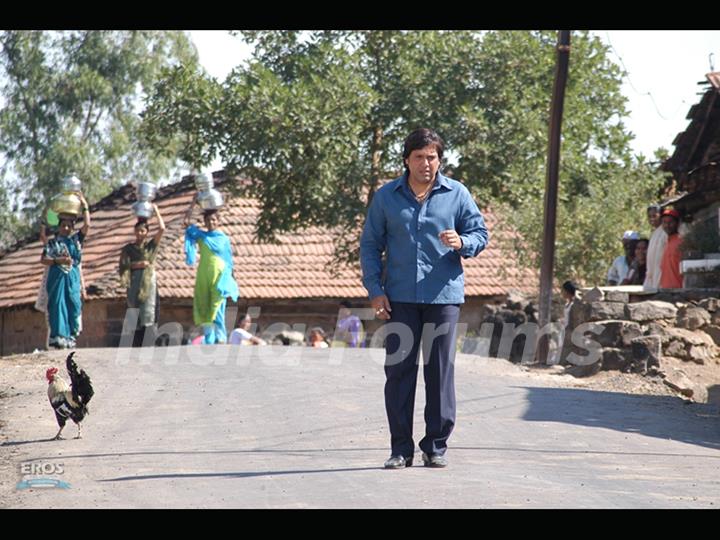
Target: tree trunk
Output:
[(375, 168)]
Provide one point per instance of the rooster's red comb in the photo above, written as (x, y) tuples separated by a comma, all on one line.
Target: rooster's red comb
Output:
[(50, 373)]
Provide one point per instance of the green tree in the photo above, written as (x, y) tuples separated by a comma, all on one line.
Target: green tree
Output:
[(69, 104), (603, 188), (317, 120)]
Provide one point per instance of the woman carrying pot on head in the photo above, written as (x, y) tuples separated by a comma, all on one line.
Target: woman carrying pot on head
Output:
[(214, 282), (62, 255), (137, 273)]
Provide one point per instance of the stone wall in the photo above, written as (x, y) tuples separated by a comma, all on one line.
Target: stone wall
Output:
[(23, 329), (640, 333)]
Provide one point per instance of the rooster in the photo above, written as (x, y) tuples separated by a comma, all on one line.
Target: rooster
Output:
[(69, 401)]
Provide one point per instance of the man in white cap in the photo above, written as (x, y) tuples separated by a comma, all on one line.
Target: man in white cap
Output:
[(621, 265)]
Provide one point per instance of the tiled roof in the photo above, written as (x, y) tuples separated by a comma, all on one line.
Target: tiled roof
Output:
[(691, 145), (299, 266)]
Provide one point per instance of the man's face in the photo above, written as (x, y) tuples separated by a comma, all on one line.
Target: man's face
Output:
[(423, 164), (670, 225), (641, 252), (629, 247), (654, 218), (246, 323)]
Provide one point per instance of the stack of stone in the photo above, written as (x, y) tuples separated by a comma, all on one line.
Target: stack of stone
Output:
[(635, 337), (516, 311)]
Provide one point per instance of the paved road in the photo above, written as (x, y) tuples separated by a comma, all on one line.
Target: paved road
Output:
[(295, 428)]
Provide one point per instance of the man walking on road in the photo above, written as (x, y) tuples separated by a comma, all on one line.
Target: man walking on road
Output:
[(424, 222)]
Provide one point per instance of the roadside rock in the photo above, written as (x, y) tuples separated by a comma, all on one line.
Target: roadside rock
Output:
[(618, 333), (710, 304), (650, 310), (714, 332), (617, 296), (692, 318), (646, 352), (678, 380), (593, 295), (603, 311)]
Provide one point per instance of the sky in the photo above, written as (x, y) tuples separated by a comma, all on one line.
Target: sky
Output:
[(663, 69)]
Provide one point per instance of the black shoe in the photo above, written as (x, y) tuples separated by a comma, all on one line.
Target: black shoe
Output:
[(398, 462), (435, 460)]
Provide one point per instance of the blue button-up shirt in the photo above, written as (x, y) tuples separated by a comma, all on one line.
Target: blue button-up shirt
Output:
[(420, 269)]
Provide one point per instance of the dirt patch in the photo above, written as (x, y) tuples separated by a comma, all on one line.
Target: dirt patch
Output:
[(706, 375)]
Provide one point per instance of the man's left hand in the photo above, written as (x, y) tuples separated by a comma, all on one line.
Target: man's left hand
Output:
[(451, 239)]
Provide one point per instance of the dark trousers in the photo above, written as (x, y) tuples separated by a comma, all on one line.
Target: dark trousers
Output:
[(402, 346), (141, 331)]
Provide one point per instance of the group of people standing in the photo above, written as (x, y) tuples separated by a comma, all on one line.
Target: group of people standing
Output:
[(653, 263), (214, 281), (62, 292)]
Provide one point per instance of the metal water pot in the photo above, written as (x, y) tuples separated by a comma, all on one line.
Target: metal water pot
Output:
[(145, 191), (203, 182), (211, 199), (143, 209), (71, 184), (66, 203)]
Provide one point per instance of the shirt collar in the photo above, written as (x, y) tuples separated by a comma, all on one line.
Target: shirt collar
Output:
[(441, 182)]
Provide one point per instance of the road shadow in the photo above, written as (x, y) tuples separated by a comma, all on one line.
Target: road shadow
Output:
[(230, 475), (21, 443), (662, 417), (294, 452)]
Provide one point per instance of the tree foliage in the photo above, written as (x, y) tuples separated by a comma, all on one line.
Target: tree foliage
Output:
[(603, 188), (317, 119), (69, 104)]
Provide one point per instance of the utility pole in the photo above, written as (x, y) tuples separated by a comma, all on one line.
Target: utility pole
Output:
[(551, 191)]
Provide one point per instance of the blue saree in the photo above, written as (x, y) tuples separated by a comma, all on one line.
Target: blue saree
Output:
[(64, 290)]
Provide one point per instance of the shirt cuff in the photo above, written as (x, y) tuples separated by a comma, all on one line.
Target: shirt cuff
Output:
[(375, 291), (467, 249)]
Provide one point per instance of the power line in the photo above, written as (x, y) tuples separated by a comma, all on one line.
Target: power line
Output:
[(639, 92)]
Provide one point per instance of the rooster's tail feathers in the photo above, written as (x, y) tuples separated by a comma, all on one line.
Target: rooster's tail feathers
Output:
[(81, 386)]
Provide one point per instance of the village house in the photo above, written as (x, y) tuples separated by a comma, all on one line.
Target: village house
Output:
[(290, 282), (695, 169)]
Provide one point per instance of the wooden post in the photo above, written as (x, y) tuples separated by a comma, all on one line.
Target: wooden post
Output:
[(551, 190)]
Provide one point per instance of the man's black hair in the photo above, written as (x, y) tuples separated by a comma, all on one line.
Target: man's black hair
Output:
[(569, 287), (420, 138)]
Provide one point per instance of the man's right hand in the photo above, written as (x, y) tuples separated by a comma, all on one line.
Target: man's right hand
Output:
[(382, 308)]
